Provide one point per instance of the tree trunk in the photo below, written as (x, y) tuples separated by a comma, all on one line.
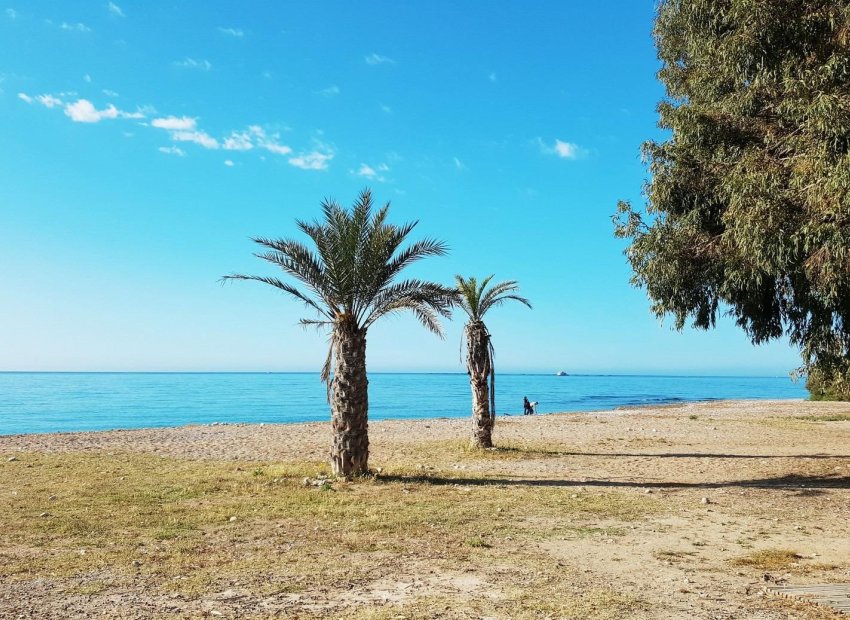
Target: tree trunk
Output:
[(349, 401), (479, 364)]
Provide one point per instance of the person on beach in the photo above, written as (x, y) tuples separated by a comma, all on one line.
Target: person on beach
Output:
[(526, 406)]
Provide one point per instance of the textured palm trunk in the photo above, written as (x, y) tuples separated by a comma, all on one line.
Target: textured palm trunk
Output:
[(349, 401), (479, 364)]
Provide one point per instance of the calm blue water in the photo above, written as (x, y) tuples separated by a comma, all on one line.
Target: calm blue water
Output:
[(50, 402)]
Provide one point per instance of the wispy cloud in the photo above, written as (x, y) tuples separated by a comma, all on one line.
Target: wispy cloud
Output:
[(330, 91), (277, 149), (200, 138), (314, 160), (236, 33), (11, 13), (185, 129), (48, 101), (192, 63), (377, 59), (175, 123), (83, 111), (386, 109), (87, 78), (239, 141), (109, 93), (255, 136), (114, 9), (458, 164), (78, 27), (492, 77), (229, 163), (564, 150), (172, 150), (373, 174)]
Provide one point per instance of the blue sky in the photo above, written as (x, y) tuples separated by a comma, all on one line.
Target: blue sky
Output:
[(144, 143)]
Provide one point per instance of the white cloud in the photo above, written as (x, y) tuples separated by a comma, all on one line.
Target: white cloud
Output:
[(373, 174), (238, 141), (109, 93), (48, 101), (330, 91), (174, 123), (191, 63), (255, 136), (564, 150), (567, 150), (277, 149), (315, 160), (377, 59), (25, 97), (83, 111), (114, 9), (366, 171), (229, 163), (11, 13), (78, 27), (198, 137), (237, 33), (172, 150)]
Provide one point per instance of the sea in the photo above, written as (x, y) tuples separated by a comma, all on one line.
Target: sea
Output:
[(48, 402)]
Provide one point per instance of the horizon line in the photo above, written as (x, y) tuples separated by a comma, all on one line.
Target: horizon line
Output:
[(388, 372)]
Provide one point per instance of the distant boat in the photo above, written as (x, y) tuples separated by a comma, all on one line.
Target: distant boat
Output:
[(561, 373)]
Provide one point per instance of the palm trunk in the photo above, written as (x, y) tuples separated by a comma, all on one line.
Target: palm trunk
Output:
[(349, 401), (479, 364)]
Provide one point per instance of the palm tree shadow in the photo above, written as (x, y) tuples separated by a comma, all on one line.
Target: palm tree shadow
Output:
[(808, 485)]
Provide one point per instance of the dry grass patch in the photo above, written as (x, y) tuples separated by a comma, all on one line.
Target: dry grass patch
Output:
[(94, 524), (769, 559), (460, 450), (835, 417)]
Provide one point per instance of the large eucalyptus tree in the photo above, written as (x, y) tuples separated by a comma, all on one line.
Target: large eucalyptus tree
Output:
[(748, 201), (350, 281), (475, 300)]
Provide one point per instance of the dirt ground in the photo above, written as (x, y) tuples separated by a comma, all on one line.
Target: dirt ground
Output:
[(714, 501)]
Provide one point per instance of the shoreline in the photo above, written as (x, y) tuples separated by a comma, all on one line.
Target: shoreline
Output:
[(621, 409), (311, 440)]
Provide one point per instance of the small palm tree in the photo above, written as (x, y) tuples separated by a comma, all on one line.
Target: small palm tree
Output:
[(476, 299), (350, 282)]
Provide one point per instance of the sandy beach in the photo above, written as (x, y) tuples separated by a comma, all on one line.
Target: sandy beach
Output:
[(725, 498)]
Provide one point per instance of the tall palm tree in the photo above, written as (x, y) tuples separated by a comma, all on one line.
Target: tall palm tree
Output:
[(349, 281), (476, 299)]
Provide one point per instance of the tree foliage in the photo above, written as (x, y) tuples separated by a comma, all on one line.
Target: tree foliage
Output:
[(351, 274), (476, 298), (748, 206)]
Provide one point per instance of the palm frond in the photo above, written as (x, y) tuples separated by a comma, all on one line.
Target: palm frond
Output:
[(495, 302), (283, 286), (350, 273), (412, 295)]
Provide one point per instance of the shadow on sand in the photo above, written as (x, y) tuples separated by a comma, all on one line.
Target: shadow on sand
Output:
[(808, 484)]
